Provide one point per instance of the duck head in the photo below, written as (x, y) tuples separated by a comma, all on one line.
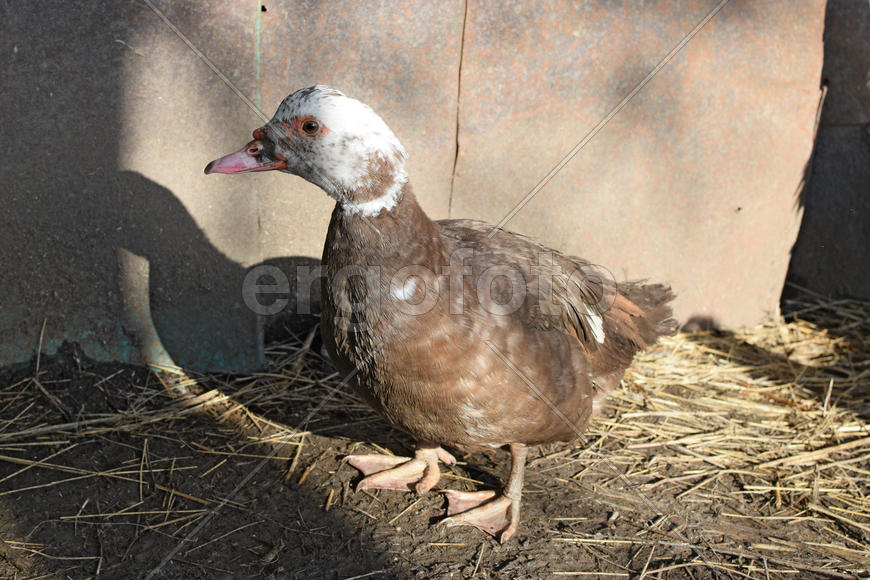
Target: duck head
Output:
[(333, 141)]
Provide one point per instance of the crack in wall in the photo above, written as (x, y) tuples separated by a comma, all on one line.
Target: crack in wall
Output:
[(458, 100)]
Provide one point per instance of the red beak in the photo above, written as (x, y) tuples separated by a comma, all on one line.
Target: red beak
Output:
[(249, 158)]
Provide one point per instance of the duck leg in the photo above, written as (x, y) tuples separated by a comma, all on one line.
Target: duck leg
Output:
[(499, 515), (419, 474)]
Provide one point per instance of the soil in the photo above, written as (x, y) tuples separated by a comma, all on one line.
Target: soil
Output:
[(115, 499)]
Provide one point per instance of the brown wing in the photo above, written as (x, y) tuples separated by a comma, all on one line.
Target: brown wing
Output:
[(611, 321)]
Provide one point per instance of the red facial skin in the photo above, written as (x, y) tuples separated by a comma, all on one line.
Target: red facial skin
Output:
[(250, 157)]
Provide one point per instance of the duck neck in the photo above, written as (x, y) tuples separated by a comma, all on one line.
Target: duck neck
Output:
[(378, 194), (377, 190), (400, 227)]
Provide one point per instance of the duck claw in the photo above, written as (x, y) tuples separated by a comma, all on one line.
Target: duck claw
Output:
[(369, 464), (387, 472), (497, 515), (463, 501), (419, 473)]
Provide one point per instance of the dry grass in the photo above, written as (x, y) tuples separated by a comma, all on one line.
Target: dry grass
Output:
[(744, 455), (757, 437)]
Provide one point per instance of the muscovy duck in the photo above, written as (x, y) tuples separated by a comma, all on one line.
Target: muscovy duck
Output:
[(457, 332)]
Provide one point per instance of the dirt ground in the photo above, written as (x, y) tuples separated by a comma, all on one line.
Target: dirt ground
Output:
[(103, 473)]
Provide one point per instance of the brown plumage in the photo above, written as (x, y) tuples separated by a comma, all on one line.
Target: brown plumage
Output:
[(458, 333)]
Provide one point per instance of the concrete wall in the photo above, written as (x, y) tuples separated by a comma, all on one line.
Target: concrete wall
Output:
[(109, 118)]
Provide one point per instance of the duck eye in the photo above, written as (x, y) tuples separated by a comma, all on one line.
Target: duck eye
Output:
[(310, 127)]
